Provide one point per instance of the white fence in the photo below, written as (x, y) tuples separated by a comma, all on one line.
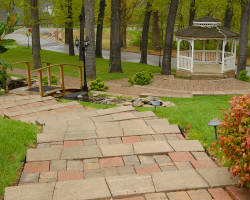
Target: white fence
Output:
[(185, 63), (229, 63)]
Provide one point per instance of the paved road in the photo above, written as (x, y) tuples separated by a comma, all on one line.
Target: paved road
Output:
[(52, 45)]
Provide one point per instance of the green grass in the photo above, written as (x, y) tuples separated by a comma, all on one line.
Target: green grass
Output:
[(89, 104), (102, 65), (197, 112), (15, 138), (1, 92)]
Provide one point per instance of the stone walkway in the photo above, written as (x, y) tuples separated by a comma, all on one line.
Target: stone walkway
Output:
[(116, 153)]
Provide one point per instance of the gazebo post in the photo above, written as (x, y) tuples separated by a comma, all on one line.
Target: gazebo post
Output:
[(204, 50), (178, 52), (223, 55), (235, 50), (192, 63), (217, 51)]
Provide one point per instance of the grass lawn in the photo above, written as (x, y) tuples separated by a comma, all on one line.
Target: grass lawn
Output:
[(102, 65), (196, 112), (15, 138)]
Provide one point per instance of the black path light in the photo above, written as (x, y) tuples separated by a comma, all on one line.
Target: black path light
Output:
[(77, 43), (215, 122)]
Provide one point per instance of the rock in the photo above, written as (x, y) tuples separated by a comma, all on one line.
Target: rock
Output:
[(167, 104), (137, 103)]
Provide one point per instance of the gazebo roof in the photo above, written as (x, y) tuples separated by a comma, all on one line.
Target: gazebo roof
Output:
[(206, 28)]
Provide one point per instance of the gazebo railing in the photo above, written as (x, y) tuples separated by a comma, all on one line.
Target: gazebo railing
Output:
[(185, 63), (229, 63)]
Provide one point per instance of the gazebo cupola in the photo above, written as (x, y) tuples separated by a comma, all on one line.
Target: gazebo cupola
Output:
[(219, 62)]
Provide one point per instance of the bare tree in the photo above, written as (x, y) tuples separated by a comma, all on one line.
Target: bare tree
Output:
[(115, 37), (192, 11), (90, 33), (36, 46), (144, 41), (99, 31), (70, 29), (244, 30), (166, 63), (156, 35)]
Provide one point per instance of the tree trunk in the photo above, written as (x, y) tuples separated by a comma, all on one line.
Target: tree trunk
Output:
[(36, 46), (99, 31), (82, 24), (156, 35), (115, 37), (90, 34), (144, 42), (244, 29), (228, 14), (70, 29), (124, 23), (166, 63), (191, 12), (66, 35)]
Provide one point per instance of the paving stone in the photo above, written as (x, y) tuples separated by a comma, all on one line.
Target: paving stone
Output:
[(82, 189), (47, 177), (180, 136), (132, 198), (100, 125), (89, 164), (131, 160), (130, 131), (58, 165), (89, 142), (125, 170), (219, 194), (147, 138), (186, 145), (93, 173), (70, 175), (156, 196), (83, 135), (102, 118), (43, 145), (144, 114), (74, 165), (116, 150), (73, 143), (29, 178), (43, 138), (238, 193), (130, 185), (131, 139), (111, 162), (151, 147), (199, 164), (171, 137), (159, 137), (31, 167), (42, 191), (180, 180), (201, 156), (81, 152), (199, 194), (183, 165), (181, 156), (102, 141), (147, 168), (157, 122), (162, 160), (115, 140), (168, 168), (123, 116), (43, 154), (146, 159), (178, 196), (168, 129), (218, 176), (109, 132), (134, 124)]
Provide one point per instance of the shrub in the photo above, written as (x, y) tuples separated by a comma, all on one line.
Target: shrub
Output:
[(234, 137), (98, 85), (54, 80), (3, 73), (141, 78), (243, 76)]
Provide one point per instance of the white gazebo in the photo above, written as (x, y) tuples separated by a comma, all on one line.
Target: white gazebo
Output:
[(219, 63)]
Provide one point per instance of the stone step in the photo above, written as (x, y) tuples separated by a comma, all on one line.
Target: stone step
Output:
[(39, 109), (121, 186), (25, 102), (111, 150)]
